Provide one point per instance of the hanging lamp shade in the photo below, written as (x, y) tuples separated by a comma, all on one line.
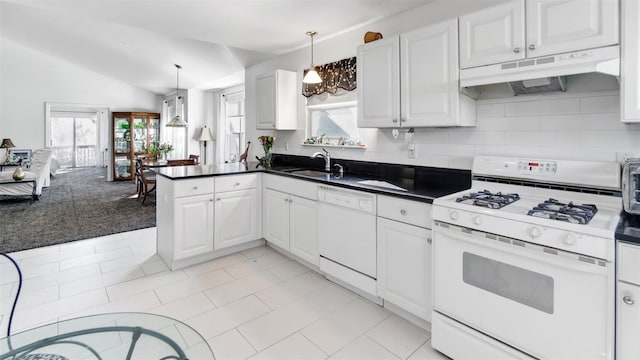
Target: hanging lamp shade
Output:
[(312, 77), (177, 120)]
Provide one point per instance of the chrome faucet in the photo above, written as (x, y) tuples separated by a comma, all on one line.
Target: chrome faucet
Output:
[(327, 158), (340, 170)]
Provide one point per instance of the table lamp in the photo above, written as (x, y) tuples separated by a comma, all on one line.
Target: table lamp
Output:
[(6, 144), (205, 135)]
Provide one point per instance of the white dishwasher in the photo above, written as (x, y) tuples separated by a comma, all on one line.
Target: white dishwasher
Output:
[(347, 236)]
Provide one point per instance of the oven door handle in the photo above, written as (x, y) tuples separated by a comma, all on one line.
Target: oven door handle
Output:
[(548, 255)]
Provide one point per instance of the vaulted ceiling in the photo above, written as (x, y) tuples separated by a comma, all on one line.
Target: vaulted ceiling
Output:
[(138, 41)]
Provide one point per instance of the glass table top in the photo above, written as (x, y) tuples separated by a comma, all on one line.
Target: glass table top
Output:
[(108, 336)]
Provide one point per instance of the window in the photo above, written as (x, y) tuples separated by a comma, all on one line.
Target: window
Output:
[(335, 123), (175, 136), (233, 104)]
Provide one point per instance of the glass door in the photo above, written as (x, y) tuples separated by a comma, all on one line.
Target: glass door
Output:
[(74, 139)]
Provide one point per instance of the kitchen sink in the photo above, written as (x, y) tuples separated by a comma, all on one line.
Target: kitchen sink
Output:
[(309, 173)]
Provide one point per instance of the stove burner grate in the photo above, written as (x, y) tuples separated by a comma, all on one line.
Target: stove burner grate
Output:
[(487, 199), (555, 210)]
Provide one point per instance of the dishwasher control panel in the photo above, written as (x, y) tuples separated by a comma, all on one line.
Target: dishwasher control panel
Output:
[(356, 200)]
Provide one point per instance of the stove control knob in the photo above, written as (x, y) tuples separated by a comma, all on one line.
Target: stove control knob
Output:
[(570, 239), (477, 220), (534, 232), (454, 215)]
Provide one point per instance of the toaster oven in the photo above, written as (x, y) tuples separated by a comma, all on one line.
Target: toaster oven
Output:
[(631, 186)]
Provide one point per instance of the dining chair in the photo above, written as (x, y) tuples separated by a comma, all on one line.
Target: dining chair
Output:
[(196, 158), (145, 183)]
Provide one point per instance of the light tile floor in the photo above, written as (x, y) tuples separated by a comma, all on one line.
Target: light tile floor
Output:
[(254, 304)]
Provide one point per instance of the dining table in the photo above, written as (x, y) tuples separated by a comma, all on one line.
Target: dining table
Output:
[(108, 336)]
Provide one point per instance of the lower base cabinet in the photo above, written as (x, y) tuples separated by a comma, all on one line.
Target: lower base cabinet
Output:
[(193, 226), (628, 302), (290, 216), (290, 222), (236, 218), (303, 219), (404, 266)]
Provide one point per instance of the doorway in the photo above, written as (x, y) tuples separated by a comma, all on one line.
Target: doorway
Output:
[(74, 139), (78, 135)]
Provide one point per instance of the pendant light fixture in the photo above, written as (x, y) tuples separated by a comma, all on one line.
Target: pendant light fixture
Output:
[(177, 120), (312, 76)]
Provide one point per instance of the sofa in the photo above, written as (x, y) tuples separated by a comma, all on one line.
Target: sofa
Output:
[(39, 169)]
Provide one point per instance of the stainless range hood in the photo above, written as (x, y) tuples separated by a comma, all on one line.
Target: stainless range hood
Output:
[(544, 74)]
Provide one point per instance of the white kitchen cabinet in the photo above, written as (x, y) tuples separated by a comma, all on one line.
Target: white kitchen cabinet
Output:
[(276, 101), (492, 35), (184, 217), (628, 302), (412, 80), (378, 79), (630, 57), (236, 218), (236, 210), (193, 226), (290, 216), (404, 255), (303, 225), (275, 217), (534, 28)]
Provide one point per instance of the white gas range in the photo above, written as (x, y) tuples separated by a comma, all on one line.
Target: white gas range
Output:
[(524, 261)]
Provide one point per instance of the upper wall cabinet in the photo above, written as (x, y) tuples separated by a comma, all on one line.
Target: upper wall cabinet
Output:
[(533, 28), (276, 101), (630, 76), (411, 80)]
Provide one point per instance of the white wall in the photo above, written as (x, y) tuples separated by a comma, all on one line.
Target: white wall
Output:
[(29, 78), (579, 124)]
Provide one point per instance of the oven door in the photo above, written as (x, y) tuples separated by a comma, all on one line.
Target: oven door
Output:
[(547, 303)]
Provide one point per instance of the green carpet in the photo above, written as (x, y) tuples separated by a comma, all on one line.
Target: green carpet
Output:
[(79, 204)]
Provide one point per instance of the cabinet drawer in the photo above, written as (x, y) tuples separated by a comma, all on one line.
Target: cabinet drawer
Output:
[(190, 187), (302, 188), (406, 211), (236, 182), (629, 263)]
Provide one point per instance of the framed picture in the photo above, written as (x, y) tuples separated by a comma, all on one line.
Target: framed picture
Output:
[(16, 154)]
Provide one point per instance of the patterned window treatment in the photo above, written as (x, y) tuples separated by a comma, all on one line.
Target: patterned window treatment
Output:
[(336, 75)]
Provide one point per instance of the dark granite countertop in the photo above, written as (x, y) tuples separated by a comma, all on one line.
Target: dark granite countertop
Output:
[(628, 229), (190, 171), (416, 182)]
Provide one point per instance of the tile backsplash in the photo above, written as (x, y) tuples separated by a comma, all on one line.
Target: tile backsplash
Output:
[(578, 126)]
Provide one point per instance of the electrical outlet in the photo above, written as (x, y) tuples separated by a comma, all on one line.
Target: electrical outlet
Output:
[(412, 151), (286, 146)]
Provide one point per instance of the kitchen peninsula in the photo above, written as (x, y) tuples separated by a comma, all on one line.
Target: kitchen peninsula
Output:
[(208, 211)]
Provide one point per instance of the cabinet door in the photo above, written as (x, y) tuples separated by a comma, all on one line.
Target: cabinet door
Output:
[(630, 74), (236, 218), (276, 100), (303, 229), (275, 217), (628, 321), (557, 26), (378, 77), (193, 226), (404, 266), (266, 101), (493, 35), (429, 81)]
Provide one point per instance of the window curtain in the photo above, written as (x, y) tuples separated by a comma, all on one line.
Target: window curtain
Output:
[(336, 75)]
